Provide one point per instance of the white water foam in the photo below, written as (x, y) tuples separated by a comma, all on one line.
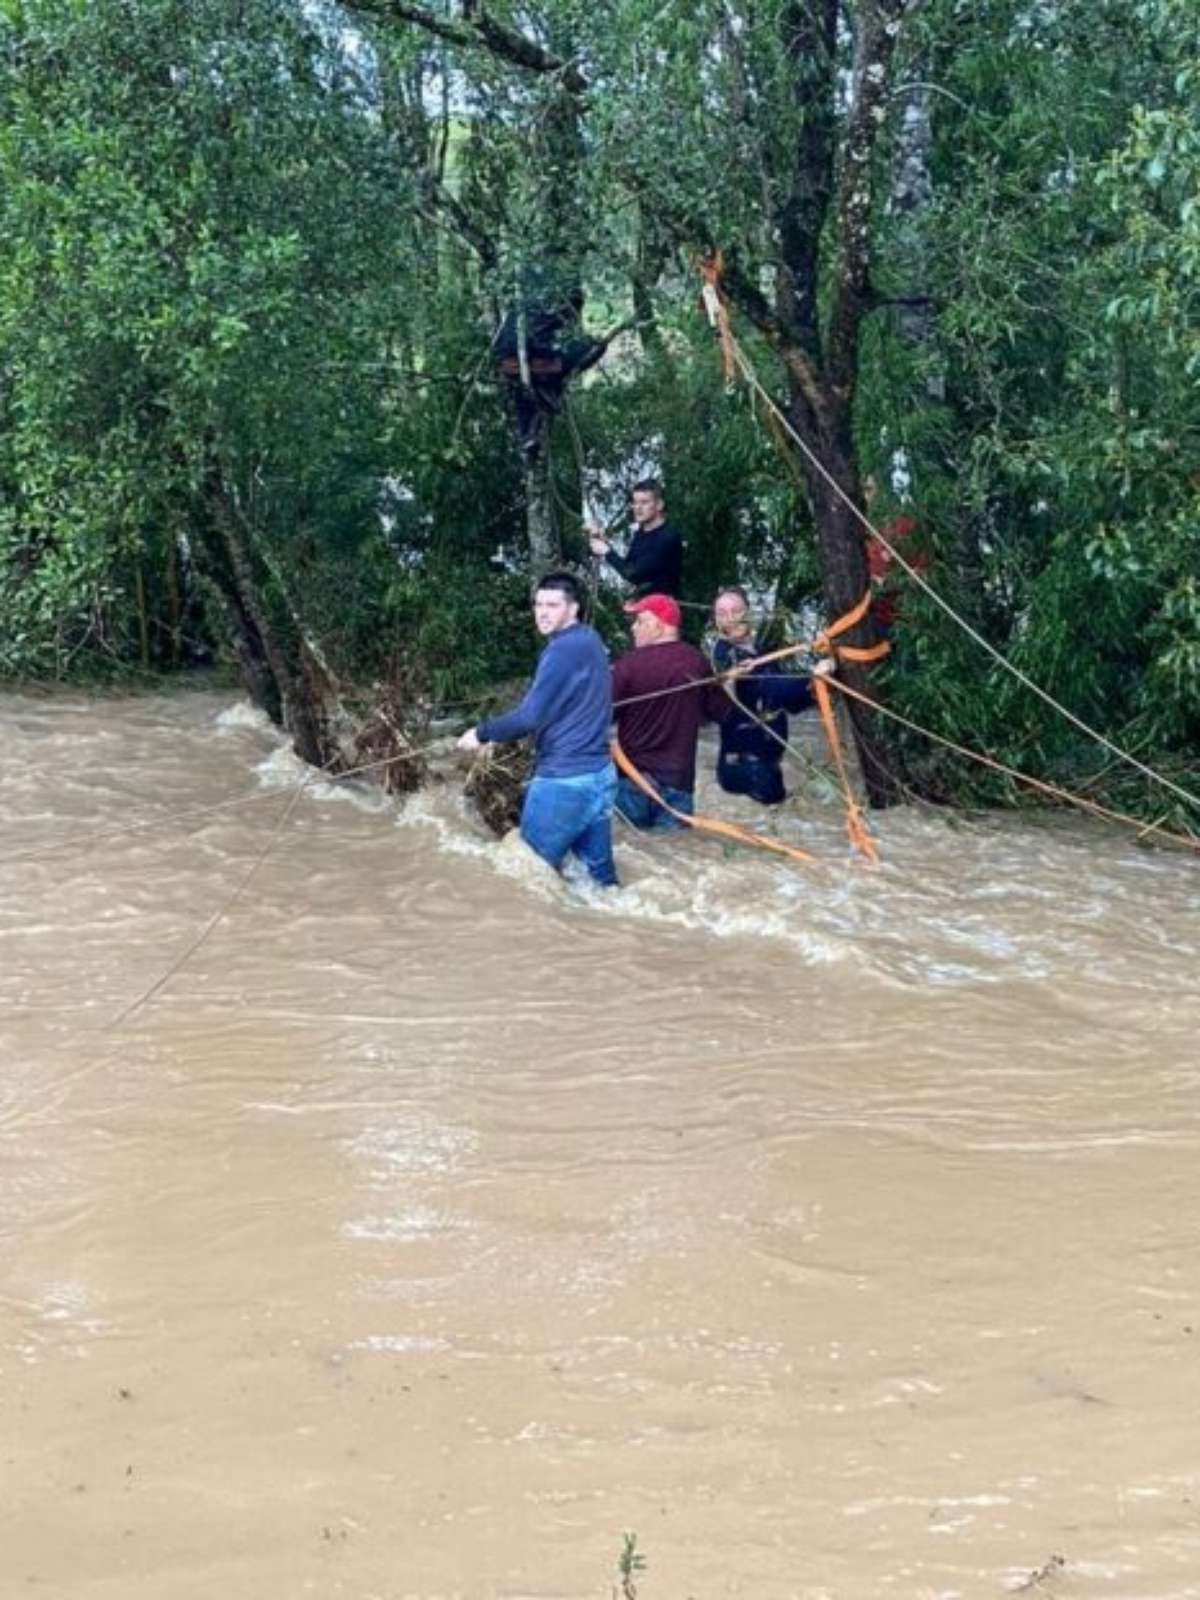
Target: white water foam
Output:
[(243, 715)]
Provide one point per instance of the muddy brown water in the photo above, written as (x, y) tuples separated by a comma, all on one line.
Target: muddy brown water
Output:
[(438, 1223)]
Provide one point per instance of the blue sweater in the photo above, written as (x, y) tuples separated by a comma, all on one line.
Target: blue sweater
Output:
[(568, 707), (769, 693)]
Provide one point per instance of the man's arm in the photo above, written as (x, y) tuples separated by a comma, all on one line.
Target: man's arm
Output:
[(717, 702), (529, 715), (789, 691), (650, 562), (620, 680)]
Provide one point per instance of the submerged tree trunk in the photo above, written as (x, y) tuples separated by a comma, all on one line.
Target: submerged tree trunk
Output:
[(287, 695), (844, 564), (240, 626)]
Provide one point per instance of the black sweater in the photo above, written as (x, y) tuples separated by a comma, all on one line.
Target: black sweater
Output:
[(653, 564)]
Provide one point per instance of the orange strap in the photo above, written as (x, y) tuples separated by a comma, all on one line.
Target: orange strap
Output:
[(714, 825), (856, 823), (850, 652), (711, 268)]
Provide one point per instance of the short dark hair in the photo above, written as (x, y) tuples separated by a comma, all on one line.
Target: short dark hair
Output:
[(648, 486), (733, 588), (565, 582)]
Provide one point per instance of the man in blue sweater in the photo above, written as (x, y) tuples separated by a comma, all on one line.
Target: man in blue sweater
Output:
[(568, 710)]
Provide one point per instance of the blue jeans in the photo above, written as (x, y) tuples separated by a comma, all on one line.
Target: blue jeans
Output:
[(643, 812), (573, 815)]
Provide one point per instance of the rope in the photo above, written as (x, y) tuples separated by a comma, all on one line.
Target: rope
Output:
[(713, 825), (205, 811), (1144, 828), (856, 824), (752, 378), (220, 914)]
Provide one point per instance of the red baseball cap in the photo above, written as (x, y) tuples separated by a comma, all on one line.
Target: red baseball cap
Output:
[(661, 606)]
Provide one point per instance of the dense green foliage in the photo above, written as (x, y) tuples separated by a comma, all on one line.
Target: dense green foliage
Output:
[(253, 254)]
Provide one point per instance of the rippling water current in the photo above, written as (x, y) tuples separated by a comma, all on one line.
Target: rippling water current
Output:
[(437, 1223)]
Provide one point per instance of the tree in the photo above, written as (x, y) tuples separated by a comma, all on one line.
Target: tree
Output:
[(191, 327), (750, 129), (1056, 459)]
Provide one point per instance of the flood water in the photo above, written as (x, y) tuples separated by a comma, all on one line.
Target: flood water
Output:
[(436, 1223)]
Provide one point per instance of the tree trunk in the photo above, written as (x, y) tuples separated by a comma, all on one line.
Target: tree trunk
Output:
[(843, 550), (545, 552), (297, 712), (912, 197), (252, 658)]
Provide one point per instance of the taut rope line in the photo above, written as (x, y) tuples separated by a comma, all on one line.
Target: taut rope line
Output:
[(1144, 828), (78, 840), (754, 381), (220, 914)]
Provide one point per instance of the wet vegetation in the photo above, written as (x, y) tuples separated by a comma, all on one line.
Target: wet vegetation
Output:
[(256, 257)]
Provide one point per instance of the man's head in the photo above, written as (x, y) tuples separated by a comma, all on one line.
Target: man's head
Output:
[(656, 619), (556, 603), (646, 503), (731, 614)]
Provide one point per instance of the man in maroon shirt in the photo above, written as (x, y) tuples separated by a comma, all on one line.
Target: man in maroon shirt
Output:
[(658, 731)]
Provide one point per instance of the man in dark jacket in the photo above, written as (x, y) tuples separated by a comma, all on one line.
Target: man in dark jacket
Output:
[(659, 721), (653, 563), (568, 710), (752, 738)]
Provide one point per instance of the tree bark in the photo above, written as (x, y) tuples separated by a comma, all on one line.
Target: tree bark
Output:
[(846, 579), (288, 697), (256, 671), (541, 532)]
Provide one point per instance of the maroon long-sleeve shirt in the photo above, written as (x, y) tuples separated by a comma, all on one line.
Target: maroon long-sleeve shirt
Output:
[(659, 735)]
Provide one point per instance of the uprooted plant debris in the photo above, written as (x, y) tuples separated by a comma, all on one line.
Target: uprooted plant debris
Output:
[(495, 785), (392, 737)]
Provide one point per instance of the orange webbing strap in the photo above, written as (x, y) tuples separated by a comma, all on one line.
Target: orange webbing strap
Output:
[(714, 825), (824, 642), (711, 267), (856, 824)]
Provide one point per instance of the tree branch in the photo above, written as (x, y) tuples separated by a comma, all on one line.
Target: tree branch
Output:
[(784, 338), (875, 51), (478, 29), (438, 203), (803, 179)]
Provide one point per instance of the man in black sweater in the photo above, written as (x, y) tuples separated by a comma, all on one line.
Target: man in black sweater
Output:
[(653, 563)]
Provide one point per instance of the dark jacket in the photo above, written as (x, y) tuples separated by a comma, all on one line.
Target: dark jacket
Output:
[(568, 707), (653, 564), (769, 692)]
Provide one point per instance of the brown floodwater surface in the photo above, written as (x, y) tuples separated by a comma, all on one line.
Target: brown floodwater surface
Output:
[(438, 1222)]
